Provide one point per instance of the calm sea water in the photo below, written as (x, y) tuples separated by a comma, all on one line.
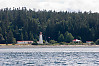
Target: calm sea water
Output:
[(49, 57)]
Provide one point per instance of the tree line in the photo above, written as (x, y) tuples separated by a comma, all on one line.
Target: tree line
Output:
[(21, 24)]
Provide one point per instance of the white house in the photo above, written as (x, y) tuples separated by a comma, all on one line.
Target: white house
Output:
[(24, 42), (76, 40), (89, 42)]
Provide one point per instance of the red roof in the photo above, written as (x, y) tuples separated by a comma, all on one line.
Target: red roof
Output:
[(88, 41), (76, 40), (40, 33)]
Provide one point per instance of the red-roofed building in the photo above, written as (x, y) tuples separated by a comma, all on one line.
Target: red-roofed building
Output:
[(76, 40), (24, 42)]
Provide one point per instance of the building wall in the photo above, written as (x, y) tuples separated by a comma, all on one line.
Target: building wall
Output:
[(24, 42)]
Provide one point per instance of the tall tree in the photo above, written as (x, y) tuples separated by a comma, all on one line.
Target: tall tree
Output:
[(61, 38), (68, 37), (10, 37), (21, 36), (1, 38), (26, 36), (31, 36), (0, 30)]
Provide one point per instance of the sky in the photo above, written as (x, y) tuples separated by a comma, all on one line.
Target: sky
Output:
[(57, 5)]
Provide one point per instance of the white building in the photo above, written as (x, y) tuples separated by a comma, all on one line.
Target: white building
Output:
[(76, 40), (89, 42), (40, 38), (24, 42)]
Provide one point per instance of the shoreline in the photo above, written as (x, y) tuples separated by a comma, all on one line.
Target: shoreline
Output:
[(49, 46)]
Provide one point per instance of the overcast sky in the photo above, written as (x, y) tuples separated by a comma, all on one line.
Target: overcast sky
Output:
[(58, 5)]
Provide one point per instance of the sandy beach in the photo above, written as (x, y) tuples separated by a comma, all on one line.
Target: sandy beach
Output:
[(49, 46)]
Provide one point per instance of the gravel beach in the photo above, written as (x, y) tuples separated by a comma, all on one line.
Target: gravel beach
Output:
[(48, 46)]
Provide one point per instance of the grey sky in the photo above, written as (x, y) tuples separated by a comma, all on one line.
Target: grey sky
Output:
[(58, 5)]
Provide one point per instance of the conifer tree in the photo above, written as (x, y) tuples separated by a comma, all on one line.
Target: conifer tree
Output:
[(10, 37), (0, 30), (61, 38), (26, 36), (31, 36), (21, 36), (68, 37), (1, 38)]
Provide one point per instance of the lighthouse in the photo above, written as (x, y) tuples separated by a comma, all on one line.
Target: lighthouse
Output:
[(40, 38)]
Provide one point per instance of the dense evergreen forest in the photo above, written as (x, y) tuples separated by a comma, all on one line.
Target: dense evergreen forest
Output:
[(21, 24)]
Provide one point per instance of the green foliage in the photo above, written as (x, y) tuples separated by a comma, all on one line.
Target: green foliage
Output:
[(97, 42), (56, 44), (10, 37), (52, 41), (1, 38), (44, 41), (0, 30), (63, 43), (26, 24), (78, 37), (31, 37), (61, 38), (21, 36), (26, 36), (13, 40), (35, 42), (68, 37)]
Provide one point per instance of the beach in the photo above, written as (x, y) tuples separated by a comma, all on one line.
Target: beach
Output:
[(48, 46)]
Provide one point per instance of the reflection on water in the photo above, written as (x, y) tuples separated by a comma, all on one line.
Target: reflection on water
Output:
[(49, 58)]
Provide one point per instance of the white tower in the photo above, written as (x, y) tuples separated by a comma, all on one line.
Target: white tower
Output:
[(40, 38)]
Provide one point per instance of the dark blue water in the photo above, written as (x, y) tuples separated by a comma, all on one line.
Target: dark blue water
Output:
[(37, 58)]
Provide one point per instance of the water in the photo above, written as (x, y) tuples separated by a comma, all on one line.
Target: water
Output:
[(49, 57)]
